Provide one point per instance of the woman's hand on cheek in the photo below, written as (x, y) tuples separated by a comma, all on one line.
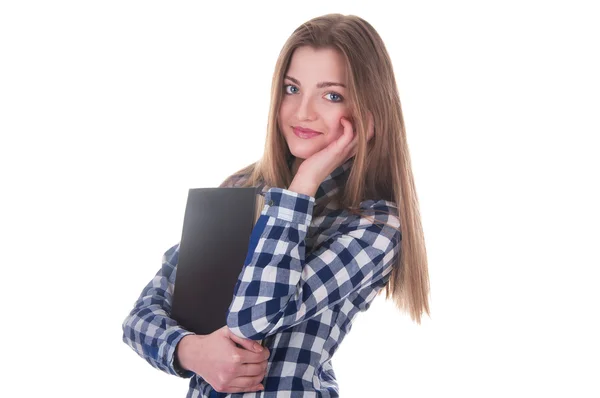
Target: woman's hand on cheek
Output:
[(313, 171)]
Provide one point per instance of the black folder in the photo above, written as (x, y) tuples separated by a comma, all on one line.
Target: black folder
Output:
[(217, 226)]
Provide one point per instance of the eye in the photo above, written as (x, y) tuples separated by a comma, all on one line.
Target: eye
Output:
[(291, 86), (335, 97)]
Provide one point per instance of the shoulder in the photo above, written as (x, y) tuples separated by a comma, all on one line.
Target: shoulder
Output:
[(382, 210), (376, 222), (234, 180), (239, 178)]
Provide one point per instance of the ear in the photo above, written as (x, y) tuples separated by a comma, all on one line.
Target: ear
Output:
[(371, 127)]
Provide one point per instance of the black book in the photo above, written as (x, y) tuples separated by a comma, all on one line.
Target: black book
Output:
[(217, 226)]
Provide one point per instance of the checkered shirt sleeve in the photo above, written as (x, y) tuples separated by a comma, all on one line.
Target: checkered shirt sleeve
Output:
[(280, 286), (148, 328)]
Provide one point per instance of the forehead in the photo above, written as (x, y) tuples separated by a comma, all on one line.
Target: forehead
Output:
[(312, 65)]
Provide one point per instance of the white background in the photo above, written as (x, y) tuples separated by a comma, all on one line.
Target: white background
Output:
[(110, 111)]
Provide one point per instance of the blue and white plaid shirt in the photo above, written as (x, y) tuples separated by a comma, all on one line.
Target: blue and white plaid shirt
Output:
[(303, 282)]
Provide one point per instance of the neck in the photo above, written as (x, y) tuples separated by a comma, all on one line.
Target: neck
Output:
[(296, 165)]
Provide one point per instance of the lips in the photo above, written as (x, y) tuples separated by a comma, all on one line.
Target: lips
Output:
[(305, 133), (305, 130)]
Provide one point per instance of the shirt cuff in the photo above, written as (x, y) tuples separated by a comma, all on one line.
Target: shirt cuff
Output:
[(173, 338), (288, 205)]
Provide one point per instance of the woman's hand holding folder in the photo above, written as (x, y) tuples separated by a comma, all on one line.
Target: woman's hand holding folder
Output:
[(218, 360)]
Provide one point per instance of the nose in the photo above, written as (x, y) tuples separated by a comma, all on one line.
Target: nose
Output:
[(305, 110)]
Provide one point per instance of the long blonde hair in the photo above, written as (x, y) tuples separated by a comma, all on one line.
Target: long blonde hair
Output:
[(386, 172)]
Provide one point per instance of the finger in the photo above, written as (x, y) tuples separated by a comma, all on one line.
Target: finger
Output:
[(253, 369), (347, 125), (348, 135), (246, 343), (352, 149), (352, 137), (253, 357), (245, 382), (257, 387)]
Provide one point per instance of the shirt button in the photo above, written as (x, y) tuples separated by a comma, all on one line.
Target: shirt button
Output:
[(271, 202)]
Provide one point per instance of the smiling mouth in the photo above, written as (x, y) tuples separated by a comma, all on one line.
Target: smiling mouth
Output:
[(305, 133)]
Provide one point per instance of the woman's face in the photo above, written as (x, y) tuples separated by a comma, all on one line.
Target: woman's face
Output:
[(314, 98)]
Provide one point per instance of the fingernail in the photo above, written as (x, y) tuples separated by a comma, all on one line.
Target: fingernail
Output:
[(258, 348)]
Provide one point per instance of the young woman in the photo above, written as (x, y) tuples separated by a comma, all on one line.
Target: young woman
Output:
[(339, 224)]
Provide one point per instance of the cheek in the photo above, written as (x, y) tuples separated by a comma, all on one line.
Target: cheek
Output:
[(334, 127), (286, 109), (283, 119)]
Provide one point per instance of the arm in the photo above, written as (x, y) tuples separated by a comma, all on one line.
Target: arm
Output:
[(279, 286), (148, 328)]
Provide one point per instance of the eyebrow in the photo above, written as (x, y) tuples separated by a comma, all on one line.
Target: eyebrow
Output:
[(320, 85)]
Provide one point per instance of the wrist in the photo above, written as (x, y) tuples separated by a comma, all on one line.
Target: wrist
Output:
[(182, 360), (303, 186)]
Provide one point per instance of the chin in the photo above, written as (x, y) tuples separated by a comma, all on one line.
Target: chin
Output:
[(302, 152), (303, 149)]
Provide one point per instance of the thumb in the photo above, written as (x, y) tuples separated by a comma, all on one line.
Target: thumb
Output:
[(248, 344)]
